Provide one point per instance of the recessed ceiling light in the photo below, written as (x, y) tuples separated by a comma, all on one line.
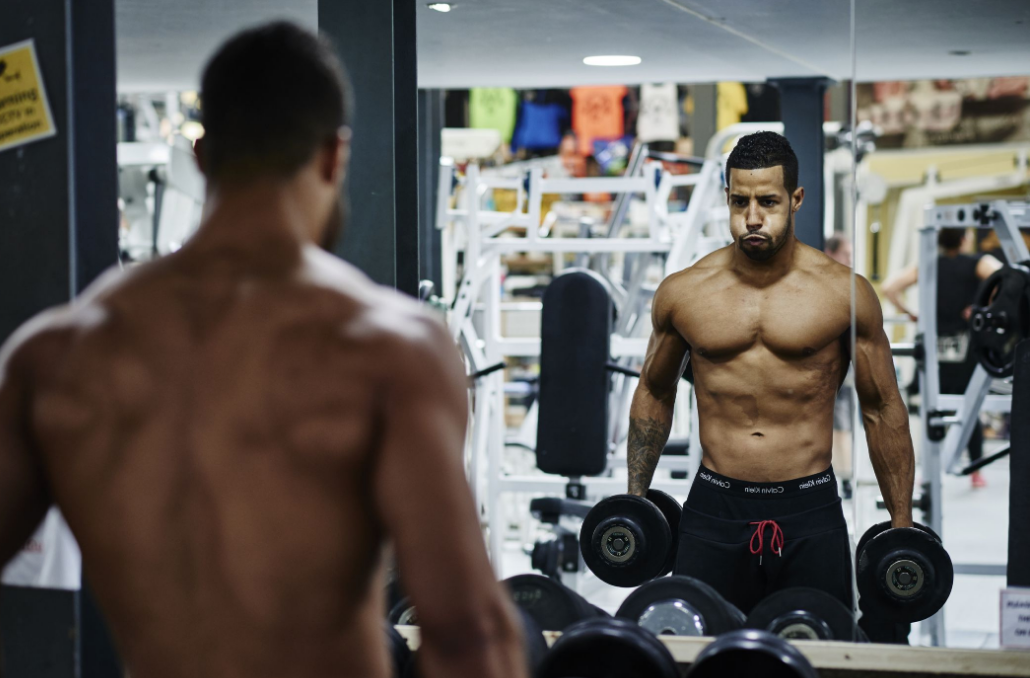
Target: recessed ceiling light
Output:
[(960, 52), (441, 6), (612, 60)]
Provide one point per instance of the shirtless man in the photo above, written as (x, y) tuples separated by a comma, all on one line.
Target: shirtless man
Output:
[(234, 431), (765, 323)]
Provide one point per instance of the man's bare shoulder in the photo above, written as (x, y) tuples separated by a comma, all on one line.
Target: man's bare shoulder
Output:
[(682, 284), (415, 339)]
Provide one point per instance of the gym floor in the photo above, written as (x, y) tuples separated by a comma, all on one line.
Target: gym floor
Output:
[(975, 531)]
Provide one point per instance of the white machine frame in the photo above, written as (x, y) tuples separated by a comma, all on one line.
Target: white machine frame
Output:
[(944, 455), (676, 234)]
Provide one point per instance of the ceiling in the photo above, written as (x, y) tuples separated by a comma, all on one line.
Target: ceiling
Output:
[(162, 44)]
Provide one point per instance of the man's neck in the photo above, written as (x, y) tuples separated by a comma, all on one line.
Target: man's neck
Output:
[(763, 273), (262, 210)]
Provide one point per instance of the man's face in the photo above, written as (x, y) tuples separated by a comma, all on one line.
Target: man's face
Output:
[(761, 211)]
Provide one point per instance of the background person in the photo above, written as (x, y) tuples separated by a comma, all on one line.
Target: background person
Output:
[(958, 278)]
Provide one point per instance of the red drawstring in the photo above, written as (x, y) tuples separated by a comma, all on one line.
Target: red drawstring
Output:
[(776, 543)]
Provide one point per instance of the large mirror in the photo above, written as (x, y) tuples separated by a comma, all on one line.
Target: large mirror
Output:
[(586, 235), (942, 106)]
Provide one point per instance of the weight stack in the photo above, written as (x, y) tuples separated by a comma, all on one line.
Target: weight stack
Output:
[(1019, 471)]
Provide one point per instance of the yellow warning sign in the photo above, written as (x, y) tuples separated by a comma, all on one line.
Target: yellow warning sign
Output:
[(24, 110)]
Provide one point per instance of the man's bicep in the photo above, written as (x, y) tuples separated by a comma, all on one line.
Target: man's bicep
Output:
[(24, 498), (667, 350), (422, 493), (875, 379)]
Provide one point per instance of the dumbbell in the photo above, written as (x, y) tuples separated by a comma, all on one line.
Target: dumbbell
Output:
[(680, 606), (551, 604), (604, 647), (750, 652), (404, 662), (903, 573), (803, 613), (627, 540)]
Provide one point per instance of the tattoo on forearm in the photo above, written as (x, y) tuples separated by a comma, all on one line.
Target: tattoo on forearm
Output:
[(647, 438)]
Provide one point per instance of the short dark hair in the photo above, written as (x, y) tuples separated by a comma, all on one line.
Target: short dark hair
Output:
[(269, 98), (951, 238), (765, 149)]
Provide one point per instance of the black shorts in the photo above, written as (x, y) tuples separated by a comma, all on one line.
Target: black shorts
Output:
[(748, 540)]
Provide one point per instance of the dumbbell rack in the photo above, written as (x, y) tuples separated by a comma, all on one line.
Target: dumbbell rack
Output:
[(941, 452), (475, 319)]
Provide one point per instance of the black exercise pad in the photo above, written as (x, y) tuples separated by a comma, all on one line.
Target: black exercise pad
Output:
[(575, 339)]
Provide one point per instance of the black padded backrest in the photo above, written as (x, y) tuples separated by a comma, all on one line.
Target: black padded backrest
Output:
[(575, 339)]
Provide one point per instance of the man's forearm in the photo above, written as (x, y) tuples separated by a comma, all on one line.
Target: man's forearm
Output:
[(890, 450), (650, 421)]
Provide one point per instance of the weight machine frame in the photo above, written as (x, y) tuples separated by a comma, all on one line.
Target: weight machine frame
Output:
[(941, 452), (675, 234)]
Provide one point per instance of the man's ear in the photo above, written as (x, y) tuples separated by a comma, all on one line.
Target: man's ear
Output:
[(199, 154), (334, 157), (797, 198)]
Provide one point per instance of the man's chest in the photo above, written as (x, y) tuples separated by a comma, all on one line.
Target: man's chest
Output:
[(792, 322)]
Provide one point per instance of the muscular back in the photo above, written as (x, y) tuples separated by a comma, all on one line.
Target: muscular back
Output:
[(767, 361), (210, 436)]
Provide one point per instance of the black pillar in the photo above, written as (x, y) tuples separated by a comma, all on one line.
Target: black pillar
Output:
[(59, 216), (1019, 471), (430, 125), (801, 108), (376, 42)]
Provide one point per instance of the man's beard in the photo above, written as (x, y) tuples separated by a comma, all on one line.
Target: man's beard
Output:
[(776, 244), (334, 225)]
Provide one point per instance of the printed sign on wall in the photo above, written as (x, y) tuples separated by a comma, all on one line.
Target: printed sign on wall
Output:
[(24, 110), (1015, 618)]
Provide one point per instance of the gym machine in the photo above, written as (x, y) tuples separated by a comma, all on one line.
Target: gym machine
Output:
[(478, 298), (998, 323)]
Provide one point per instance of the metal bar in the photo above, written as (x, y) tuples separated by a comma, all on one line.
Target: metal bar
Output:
[(992, 402), (1006, 227), (636, 160), (530, 346), (968, 414), (591, 245), (595, 185), (981, 569)]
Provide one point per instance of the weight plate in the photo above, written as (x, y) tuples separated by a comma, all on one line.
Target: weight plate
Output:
[(673, 511), (1000, 320), (879, 528), (551, 604), (536, 643), (680, 606), (804, 613), (403, 614), (625, 540), (607, 647), (906, 572), (750, 652)]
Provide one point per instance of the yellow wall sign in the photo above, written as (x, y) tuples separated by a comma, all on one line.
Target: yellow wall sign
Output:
[(24, 110)]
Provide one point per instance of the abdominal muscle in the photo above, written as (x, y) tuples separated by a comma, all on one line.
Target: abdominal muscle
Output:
[(765, 425)]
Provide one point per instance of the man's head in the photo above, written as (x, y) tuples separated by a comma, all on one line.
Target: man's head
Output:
[(763, 193), (950, 239), (838, 248), (275, 105)]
